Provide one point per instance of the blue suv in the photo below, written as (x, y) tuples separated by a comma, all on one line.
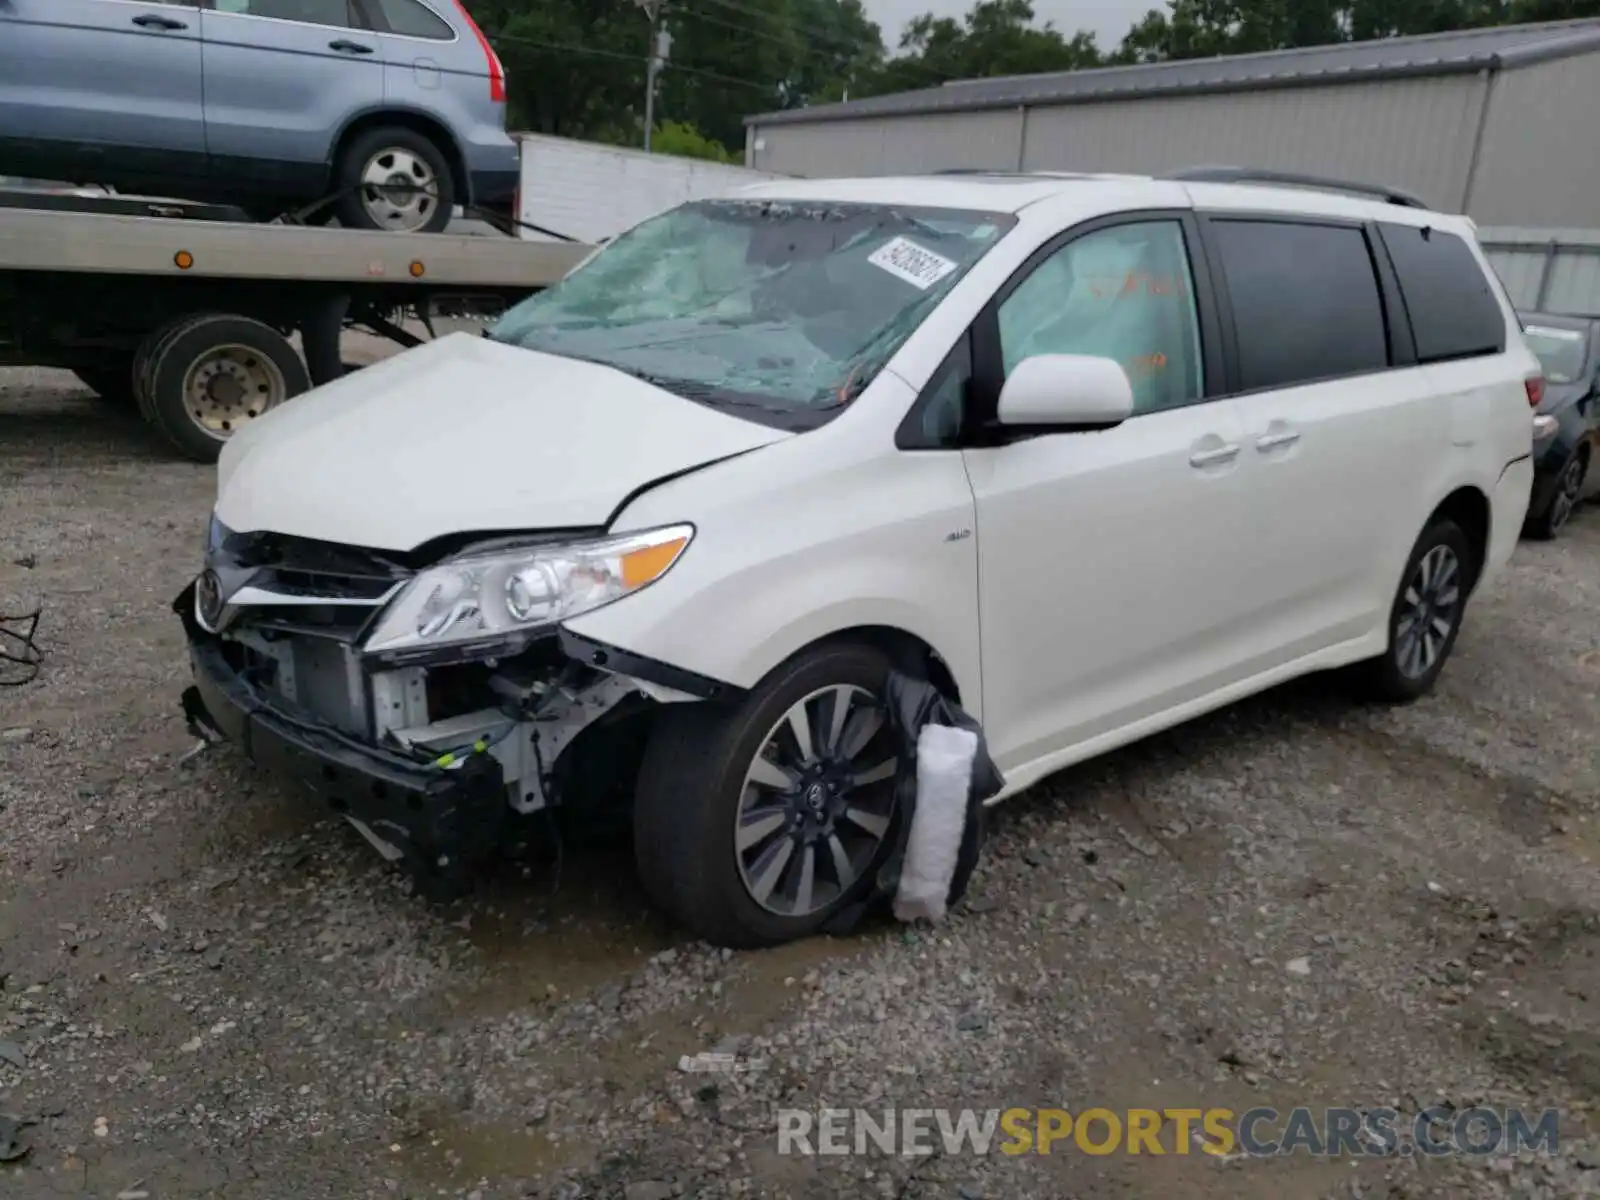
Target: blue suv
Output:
[(393, 111)]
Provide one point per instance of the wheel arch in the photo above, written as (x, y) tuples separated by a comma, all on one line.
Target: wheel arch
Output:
[(1469, 508), (417, 121)]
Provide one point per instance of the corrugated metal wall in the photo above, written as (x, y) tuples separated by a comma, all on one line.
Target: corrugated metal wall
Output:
[(1521, 147), (1550, 270), (1411, 133), (890, 145), (1540, 162)]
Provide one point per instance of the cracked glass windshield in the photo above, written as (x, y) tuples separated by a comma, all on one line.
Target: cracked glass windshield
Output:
[(780, 310)]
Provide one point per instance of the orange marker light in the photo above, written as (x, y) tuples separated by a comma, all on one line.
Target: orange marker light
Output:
[(183, 259), (417, 269), (641, 566)]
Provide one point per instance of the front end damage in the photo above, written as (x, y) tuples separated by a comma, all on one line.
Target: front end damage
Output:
[(436, 756)]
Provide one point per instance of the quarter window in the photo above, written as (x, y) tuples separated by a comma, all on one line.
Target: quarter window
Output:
[(338, 14), (1306, 304), (1451, 304), (1123, 293), (415, 20)]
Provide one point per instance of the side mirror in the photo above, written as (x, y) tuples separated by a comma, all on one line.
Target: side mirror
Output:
[(1066, 391)]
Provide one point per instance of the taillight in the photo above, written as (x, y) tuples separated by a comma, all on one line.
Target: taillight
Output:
[(1535, 386), (497, 73)]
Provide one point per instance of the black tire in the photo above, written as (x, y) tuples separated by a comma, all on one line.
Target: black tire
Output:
[(435, 202), (245, 349), (1564, 499), (688, 798), (1387, 677), (112, 382), (148, 349)]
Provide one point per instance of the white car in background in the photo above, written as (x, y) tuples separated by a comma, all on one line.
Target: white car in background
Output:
[(1092, 454)]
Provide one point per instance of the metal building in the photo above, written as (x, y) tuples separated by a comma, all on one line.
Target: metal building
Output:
[(1502, 124)]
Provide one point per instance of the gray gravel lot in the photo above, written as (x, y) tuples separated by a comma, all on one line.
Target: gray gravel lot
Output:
[(210, 990)]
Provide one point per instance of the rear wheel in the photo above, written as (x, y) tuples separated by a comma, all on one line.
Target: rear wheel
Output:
[(212, 374), (756, 826), (394, 179), (1426, 615)]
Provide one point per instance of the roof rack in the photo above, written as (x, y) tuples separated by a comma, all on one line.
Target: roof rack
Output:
[(1290, 179)]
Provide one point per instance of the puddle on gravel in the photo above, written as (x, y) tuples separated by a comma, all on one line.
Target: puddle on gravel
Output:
[(451, 1153), (590, 927)]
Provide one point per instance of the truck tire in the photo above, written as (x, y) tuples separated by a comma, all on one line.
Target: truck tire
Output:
[(393, 179), (112, 382), (212, 373), (750, 833)]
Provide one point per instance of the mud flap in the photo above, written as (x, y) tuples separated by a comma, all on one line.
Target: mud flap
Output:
[(915, 705)]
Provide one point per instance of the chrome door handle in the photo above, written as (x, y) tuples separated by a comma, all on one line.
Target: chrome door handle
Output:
[(1272, 441), (1210, 458)]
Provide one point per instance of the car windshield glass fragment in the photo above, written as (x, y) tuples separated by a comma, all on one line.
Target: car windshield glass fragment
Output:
[(1561, 352), (780, 305)]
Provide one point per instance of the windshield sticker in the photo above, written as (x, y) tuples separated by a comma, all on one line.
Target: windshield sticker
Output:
[(917, 265)]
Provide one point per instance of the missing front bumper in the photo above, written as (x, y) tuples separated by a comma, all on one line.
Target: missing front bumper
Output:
[(442, 822)]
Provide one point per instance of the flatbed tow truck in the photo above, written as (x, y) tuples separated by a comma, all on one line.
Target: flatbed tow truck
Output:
[(189, 312)]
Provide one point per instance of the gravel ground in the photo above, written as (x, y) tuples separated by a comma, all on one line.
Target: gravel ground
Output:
[(208, 990)]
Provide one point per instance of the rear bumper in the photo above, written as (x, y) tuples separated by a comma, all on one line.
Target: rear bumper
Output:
[(442, 822)]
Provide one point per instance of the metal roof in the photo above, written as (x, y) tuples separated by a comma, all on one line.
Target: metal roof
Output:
[(1463, 52)]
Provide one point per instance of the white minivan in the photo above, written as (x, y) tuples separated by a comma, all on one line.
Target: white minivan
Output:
[(1091, 454)]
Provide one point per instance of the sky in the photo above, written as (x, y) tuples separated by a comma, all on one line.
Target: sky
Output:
[(1108, 20)]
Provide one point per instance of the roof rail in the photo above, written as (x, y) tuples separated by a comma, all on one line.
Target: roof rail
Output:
[(1290, 179)]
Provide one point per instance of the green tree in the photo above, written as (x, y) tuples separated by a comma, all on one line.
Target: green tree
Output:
[(677, 137), (996, 37)]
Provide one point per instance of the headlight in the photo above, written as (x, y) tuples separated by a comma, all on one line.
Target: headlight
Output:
[(487, 595), (1544, 427)]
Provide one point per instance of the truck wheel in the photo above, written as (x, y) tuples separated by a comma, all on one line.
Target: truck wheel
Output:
[(394, 179), (755, 826), (112, 382), (211, 374)]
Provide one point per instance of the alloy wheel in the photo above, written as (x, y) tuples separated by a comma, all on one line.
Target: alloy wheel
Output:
[(817, 801), (1565, 500), (1430, 608)]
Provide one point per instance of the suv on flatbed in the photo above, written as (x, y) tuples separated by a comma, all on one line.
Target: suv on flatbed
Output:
[(393, 112), (1093, 455)]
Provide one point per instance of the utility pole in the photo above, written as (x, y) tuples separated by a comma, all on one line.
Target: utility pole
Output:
[(660, 46)]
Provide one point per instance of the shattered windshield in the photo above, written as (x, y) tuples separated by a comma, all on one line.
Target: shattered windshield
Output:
[(781, 306)]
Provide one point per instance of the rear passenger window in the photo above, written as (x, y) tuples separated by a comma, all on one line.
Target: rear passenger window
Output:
[(1453, 309), (337, 14), (416, 20), (1306, 304)]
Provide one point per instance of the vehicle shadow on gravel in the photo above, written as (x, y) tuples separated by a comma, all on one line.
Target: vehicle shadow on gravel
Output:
[(75, 429)]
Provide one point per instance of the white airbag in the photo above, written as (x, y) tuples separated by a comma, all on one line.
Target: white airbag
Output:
[(944, 777)]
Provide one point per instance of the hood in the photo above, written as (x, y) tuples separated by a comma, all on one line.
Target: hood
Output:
[(464, 435)]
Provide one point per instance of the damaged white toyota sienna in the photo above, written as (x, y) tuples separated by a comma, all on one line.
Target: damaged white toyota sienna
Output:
[(1091, 455)]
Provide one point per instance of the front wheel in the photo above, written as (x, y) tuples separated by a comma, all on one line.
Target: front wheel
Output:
[(756, 826), (212, 374), (1426, 615)]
